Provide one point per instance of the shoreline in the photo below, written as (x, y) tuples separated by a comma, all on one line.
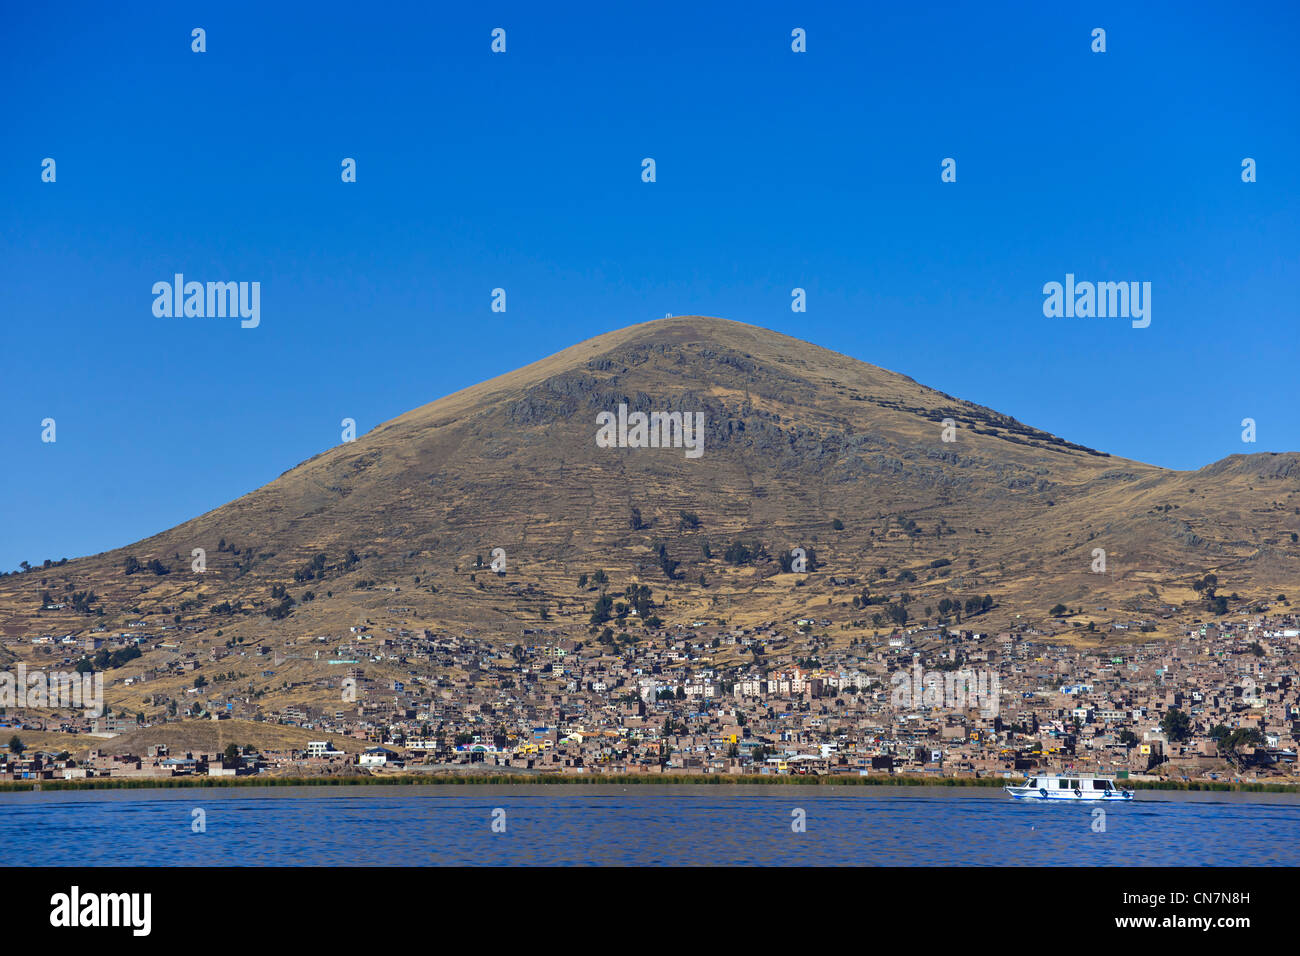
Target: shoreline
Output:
[(486, 779)]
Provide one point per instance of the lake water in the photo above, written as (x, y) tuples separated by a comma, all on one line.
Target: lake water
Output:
[(639, 825)]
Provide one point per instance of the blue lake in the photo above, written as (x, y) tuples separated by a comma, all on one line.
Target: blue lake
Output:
[(639, 825)]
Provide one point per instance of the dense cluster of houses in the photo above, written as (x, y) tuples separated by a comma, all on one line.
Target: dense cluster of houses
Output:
[(1222, 701)]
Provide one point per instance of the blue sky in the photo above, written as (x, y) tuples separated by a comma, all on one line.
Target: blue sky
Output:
[(522, 171)]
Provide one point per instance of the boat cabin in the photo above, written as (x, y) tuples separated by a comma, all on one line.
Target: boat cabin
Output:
[(1081, 784)]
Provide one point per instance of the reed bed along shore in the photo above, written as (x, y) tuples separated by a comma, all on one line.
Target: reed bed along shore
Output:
[(491, 779)]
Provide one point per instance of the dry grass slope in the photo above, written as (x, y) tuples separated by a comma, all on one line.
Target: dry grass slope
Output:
[(796, 437)]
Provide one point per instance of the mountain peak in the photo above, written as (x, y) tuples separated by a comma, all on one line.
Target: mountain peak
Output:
[(799, 447)]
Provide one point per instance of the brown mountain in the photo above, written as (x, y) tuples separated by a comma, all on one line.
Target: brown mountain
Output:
[(795, 438)]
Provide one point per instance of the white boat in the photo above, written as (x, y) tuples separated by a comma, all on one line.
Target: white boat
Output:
[(1083, 786)]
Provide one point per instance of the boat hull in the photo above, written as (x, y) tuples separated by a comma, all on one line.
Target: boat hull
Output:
[(1093, 796)]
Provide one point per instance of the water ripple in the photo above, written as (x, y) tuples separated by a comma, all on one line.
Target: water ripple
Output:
[(640, 826)]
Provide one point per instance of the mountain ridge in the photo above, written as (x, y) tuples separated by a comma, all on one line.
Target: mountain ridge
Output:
[(798, 440)]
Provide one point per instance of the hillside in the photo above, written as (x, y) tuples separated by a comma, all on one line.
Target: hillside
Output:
[(388, 529)]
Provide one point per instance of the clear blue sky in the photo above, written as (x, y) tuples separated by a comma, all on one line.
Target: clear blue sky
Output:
[(522, 171)]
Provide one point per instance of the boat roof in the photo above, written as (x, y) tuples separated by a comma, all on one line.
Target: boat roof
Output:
[(1071, 776)]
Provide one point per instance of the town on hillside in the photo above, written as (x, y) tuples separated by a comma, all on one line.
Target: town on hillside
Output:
[(1222, 702)]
